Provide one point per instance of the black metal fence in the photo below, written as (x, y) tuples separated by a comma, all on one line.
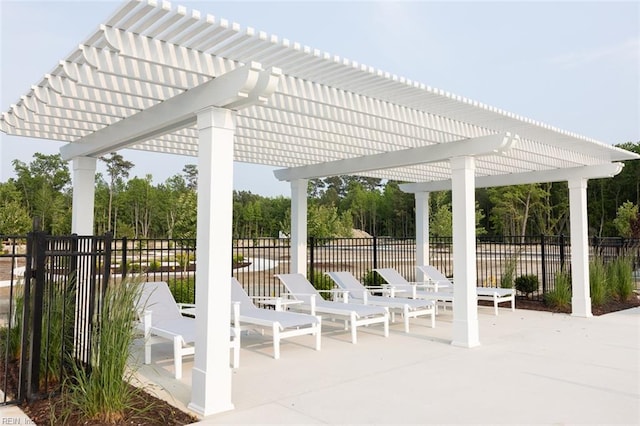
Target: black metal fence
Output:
[(52, 293), (257, 260), (51, 286)]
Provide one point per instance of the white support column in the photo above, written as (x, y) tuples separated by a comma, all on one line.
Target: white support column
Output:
[(422, 231), (299, 226), (465, 306), (581, 293), (211, 377), (84, 188)]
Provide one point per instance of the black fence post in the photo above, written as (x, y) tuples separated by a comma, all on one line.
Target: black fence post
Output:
[(375, 252), (544, 264), (123, 259), (33, 375), (108, 241), (312, 246), (562, 253)]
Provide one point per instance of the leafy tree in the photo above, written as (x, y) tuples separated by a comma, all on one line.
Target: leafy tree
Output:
[(118, 170), (14, 218), (167, 210), (514, 205), (324, 222), (186, 215), (626, 218), (440, 216), (140, 198), (191, 176), (44, 184)]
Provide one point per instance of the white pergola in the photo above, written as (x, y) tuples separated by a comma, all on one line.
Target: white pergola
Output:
[(165, 79)]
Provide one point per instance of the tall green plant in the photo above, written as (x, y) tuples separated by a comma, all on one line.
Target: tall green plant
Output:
[(10, 334), (598, 282), (101, 392), (560, 296), (322, 282), (508, 275), (57, 336), (620, 273)]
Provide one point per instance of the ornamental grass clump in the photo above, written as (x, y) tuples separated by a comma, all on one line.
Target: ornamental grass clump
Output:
[(101, 391), (560, 296), (598, 282), (620, 273)]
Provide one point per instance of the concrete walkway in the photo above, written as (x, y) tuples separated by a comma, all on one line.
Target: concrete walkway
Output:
[(532, 367)]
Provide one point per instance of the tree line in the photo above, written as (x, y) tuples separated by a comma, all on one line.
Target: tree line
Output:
[(138, 208)]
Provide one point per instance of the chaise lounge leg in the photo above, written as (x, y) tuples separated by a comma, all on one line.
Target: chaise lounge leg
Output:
[(405, 314), (276, 340), (177, 356), (318, 333), (354, 336)]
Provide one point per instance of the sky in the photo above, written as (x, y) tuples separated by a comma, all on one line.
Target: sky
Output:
[(573, 65)]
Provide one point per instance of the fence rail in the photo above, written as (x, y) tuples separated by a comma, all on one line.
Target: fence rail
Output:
[(257, 260)]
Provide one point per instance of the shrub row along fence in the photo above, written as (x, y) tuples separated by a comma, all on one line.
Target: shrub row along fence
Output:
[(66, 276)]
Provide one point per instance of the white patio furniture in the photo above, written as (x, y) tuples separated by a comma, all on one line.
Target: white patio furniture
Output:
[(409, 308), (492, 294), (439, 293), (353, 314), (283, 324), (161, 316)]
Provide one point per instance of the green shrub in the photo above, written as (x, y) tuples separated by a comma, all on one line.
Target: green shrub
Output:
[(184, 260), (183, 289), (560, 296), (154, 266), (527, 284), (321, 281), (373, 279), (620, 275), (598, 282), (103, 394), (238, 258)]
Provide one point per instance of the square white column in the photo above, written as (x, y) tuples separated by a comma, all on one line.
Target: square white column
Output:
[(84, 189), (299, 227), (581, 292), (422, 231), (465, 305), (211, 377)]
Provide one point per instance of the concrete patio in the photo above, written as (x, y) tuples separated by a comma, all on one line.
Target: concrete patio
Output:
[(532, 367)]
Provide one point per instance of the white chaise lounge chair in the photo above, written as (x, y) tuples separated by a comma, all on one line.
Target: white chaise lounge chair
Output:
[(440, 293), (283, 324), (161, 316), (492, 294), (409, 308), (353, 314)]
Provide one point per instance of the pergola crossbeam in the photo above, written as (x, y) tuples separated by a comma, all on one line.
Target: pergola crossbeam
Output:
[(493, 144), (542, 176), (237, 89)]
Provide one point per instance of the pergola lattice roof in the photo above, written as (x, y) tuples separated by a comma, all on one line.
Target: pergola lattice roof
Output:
[(325, 108)]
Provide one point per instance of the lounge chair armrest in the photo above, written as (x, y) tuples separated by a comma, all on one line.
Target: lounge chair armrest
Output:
[(338, 291), (182, 306)]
